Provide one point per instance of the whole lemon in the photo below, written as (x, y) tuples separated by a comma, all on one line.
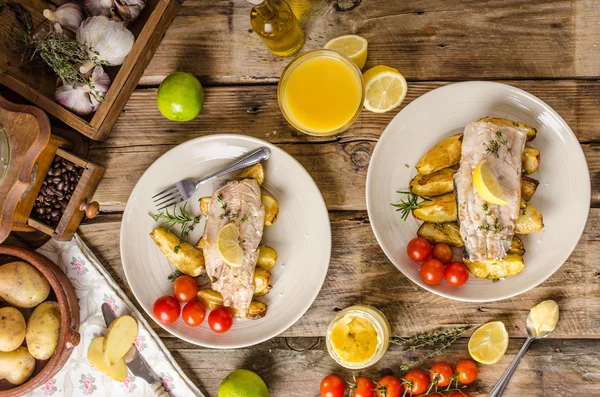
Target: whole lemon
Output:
[(180, 97), (243, 383)]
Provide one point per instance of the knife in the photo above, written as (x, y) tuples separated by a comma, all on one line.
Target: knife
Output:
[(137, 365)]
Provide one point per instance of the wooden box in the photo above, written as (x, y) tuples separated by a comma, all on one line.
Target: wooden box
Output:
[(39, 87)]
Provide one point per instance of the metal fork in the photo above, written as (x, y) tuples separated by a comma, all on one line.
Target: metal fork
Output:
[(185, 188)]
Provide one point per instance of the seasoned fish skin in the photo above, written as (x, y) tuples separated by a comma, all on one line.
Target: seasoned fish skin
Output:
[(487, 229)]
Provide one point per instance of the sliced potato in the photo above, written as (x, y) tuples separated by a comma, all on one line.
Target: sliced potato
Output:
[(204, 202), (266, 257), (531, 132), (118, 371), (440, 209), (271, 209), (119, 339), (443, 154), (212, 299), (448, 233), (188, 259), (435, 184), (497, 268), (256, 172), (262, 281), (528, 187), (530, 221), (516, 247), (531, 160)]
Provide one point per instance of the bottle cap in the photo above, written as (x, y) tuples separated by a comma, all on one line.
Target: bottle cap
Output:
[(255, 2)]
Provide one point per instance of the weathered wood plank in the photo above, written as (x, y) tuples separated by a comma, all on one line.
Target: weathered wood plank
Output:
[(360, 272), (426, 40)]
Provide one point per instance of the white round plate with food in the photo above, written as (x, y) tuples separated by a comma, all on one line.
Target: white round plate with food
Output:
[(301, 236), (562, 196)]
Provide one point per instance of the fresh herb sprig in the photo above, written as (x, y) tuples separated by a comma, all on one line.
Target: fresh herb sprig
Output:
[(406, 206), (173, 276), (184, 219)]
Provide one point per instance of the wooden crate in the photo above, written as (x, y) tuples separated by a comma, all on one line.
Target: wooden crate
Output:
[(38, 85)]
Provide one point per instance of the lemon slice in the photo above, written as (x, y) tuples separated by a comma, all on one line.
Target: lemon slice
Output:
[(385, 88), (352, 46), (489, 343), (486, 184), (228, 245)]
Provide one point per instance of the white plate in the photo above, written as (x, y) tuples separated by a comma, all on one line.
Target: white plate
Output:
[(563, 195), (301, 236)]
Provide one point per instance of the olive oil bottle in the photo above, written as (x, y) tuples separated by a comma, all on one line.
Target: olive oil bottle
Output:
[(275, 23)]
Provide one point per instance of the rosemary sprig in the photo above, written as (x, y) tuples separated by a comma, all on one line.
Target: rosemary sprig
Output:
[(406, 206), (184, 219)]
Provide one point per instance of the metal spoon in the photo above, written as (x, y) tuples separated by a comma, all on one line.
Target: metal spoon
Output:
[(532, 335)]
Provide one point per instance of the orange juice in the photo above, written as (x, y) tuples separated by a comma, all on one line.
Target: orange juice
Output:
[(321, 92)]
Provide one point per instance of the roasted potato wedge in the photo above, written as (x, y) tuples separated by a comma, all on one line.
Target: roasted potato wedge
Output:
[(262, 282), (256, 172), (497, 268), (188, 259), (271, 209), (531, 160), (435, 184), (528, 187), (266, 257), (441, 233), (440, 209), (531, 132), (530, 221), (443, 154), (213, 299), (516, 247), (204, 202), (200, 243)]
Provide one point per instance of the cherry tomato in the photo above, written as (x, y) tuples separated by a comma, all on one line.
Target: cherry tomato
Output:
[(185, 288), (417, 381), (193, 313), (166, 309), (459, 394), (418, 249), (220, 320), (443, 253), (332, 386), (456, 274), (441, 373), (363, 387), (393, 387), (467, 371), (432, 271)]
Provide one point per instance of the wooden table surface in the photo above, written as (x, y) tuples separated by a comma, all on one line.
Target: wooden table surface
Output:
[(549, 48)]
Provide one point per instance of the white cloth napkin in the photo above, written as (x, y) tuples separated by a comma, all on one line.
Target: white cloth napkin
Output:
[(94, 286)]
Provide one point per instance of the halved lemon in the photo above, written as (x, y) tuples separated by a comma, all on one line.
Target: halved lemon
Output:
[(385, 88), (352, 46), (487, 185), (489, 343), (228, 245)]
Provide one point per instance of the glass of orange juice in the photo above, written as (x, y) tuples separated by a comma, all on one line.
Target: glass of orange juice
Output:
[(321, 92)]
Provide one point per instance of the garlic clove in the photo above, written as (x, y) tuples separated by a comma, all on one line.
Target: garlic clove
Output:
[(98, 7), (129, 10), (108, 41), (75, 98), (99, 83), (69, 16)]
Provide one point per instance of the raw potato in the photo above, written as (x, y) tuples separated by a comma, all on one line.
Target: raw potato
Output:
[(531, 132), (528, 187), (497, 268), (531, 160), (256, 172), (43, 330), (262, 282), (204, 203), (443, 154), (16, 366), (530, 221), (212, 299), (118, 371), (23, 285), (119, 339), (12, 329), (438, 209), (516, 247), (266, 257), (188, 259), (271, 209), (448, 233), (435, 184)]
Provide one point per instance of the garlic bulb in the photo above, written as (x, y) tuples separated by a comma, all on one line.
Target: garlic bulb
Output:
[(69, 16), (76, 98), (129, 10), (99, 83), (108, 41), (98, 7)]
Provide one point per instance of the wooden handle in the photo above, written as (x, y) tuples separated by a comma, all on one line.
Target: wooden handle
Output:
[(91, 209), (158, 389)]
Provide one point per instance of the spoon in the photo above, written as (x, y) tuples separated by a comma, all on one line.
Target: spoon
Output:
[(541, 321)]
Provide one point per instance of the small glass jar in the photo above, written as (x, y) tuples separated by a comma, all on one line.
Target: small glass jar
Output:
[(375, 318)]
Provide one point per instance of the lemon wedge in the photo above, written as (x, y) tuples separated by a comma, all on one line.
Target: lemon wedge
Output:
[(228, 245), (486, 184), (352, 46), (489, 343), (385, 88)]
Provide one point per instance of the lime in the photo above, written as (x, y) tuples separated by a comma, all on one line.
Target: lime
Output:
[(180, 97), (243, 383)]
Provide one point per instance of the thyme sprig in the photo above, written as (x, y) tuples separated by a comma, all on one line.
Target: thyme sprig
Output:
[(173, 276), (184, 219), (406, 206)]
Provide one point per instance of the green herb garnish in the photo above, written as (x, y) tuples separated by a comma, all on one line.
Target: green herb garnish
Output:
[(184, 219), (406, 206), (173, 276)]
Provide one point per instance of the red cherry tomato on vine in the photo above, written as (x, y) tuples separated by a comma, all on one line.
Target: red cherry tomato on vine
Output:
[(393, 387), (332, 386), (418, 249), (363, 387), (442, 252), (220, 320), (417, 381), (467, 371), (432, 271), (456, 274), (185, 288), (166, 309), (441, 373), (193, 313), (459, 394)]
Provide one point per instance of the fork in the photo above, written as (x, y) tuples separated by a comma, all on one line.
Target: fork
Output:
[(185, 188)]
